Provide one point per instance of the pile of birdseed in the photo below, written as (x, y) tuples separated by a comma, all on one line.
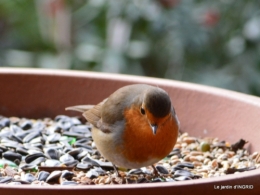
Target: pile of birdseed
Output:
[(62, 152)]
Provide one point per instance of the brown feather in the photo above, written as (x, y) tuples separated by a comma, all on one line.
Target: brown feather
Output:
[(94, 115), (80, 108)]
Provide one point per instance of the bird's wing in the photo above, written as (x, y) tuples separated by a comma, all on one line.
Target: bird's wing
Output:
[(91, 112), (93, 115)]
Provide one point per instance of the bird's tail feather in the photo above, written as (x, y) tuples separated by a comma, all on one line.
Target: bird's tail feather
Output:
[(80, 108)]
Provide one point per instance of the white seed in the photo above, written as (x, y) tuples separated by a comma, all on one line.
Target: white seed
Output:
[(196, 153), (216, 174), (197, 164), (214, 163), (206, 161), (254, 155), (177, 146), (184, 135), (174, 157), (189, 140), (203, 170), (220, 150), (187, 158), (192, 158), (230, 154), (225, 164), (174, 162), (184, 144), (200, 158), (222, 157)]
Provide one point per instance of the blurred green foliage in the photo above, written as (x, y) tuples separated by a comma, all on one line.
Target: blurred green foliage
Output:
[(210, 42)]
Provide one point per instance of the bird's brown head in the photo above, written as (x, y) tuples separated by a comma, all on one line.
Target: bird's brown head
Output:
[(156, 107)]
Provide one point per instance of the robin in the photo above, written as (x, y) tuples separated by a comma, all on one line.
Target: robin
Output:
[(134, 127)]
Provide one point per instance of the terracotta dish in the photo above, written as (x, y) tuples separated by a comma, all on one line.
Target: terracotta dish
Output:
[(203, 111)]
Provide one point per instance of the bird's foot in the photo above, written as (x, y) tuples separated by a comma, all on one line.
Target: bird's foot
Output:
[(116, 171), (155, 172)]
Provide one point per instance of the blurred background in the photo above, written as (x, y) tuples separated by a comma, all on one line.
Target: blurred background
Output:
[(209, 42)]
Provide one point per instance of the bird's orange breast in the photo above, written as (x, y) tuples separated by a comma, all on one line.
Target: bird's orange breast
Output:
[(139, 142)]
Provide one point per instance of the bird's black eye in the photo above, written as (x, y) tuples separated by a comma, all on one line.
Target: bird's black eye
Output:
[(142, 111)]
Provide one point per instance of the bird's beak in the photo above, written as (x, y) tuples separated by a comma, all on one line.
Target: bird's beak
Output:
[(154, 128)]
